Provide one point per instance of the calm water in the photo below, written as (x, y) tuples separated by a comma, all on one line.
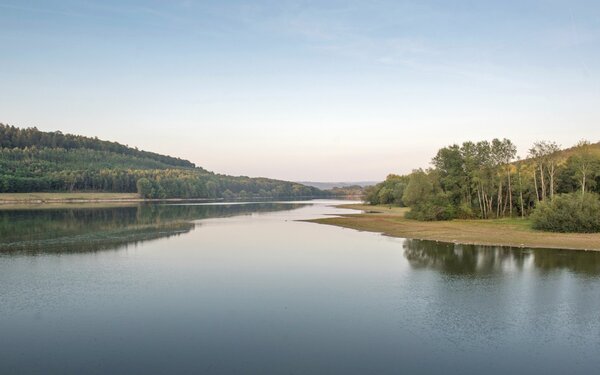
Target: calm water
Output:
[(247, 289)]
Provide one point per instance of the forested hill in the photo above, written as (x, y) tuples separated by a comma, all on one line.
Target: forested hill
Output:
[(13, 137), (35, 161)]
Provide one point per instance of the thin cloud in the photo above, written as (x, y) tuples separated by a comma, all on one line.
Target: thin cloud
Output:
[(41, 10)]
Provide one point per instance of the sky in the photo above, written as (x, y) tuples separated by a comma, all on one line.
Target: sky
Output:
[(303, 90)]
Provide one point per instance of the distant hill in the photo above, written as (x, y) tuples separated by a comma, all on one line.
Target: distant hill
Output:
[(13, 137), (331, 185), (594, 148), (35, 161)]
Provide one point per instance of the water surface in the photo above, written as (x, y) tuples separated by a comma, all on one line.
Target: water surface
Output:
[(247, 288)]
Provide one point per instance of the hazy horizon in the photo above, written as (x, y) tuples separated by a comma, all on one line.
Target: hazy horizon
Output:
[(301, 90)]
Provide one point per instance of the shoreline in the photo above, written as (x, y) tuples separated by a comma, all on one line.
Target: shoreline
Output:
[(7, 199), (100, 200), (514, 232)]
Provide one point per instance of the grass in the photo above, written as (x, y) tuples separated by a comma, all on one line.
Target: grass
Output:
[(505, 232), (63, 197)]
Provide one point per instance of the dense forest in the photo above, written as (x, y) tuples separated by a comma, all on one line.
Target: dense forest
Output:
[(487, 180), (35, 161)]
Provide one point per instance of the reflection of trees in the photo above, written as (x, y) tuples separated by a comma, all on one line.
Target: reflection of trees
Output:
[(452, 259), (586, 262), (93, 228), (481, 260)]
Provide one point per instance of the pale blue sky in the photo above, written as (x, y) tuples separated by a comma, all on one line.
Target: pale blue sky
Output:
[(303, 90)]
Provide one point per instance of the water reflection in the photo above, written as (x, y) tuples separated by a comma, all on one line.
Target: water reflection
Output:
[(478, 260), (270, 294), (91, 228)]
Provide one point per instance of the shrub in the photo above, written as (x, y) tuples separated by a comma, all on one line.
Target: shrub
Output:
[(438, 207), (144, 188), (464, 211), (568, 213)]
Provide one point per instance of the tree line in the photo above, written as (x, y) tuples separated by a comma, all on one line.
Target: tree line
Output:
[(35, 161), (13, 137), (487, 179)]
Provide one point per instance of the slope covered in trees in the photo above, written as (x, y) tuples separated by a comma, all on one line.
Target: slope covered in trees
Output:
[(37, 161), (21, 138), (487, 180)]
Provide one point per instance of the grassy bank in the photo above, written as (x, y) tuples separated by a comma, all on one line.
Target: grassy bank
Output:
[(506, 232), (15, 198)]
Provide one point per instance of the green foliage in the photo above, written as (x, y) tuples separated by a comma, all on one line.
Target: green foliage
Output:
[(568, 213), (22, 138), (372, 194), (426, 201), (418, 190), (34, 161), (347, 191), (483, 180), (464, 211), (144, 188), (389, 191), (385, 195), (435, 207), (449, 163)]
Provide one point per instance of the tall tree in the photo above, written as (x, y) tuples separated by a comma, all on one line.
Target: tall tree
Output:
[(538, 154), (508, 153), (498, 153), (419, 188), (484, 176), (551, 150), (584, 162), (518, 165)]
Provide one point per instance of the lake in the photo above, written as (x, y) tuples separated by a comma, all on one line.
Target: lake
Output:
[(249, 289)]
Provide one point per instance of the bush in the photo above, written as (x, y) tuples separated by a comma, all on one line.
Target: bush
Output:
[(464, 211), (372, 194), (568, 213), (144, 188), (438, 207)]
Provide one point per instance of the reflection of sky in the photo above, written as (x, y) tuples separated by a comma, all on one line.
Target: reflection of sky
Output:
[(311, 90), (266, 294)]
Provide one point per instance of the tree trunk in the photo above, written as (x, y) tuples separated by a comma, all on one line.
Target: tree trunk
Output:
[(499, 202), (521, 194), (551, 171), (537, 192), (509, 194), (480, 204), (487, 204), (542, 181), (483, 202)]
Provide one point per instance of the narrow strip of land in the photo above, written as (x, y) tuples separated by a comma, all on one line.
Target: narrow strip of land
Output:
[(81, 197), (10, 198), (499, 232)]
